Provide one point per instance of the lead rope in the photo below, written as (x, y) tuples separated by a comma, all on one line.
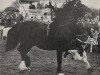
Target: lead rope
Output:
[(84, 42), (88, 41)]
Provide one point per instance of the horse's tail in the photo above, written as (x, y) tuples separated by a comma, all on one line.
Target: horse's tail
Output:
[(12, 39)]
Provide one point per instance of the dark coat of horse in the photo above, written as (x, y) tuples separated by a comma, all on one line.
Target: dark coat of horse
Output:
[(62, 31)]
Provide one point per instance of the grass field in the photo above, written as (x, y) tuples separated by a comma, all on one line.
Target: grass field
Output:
[(44, 63)]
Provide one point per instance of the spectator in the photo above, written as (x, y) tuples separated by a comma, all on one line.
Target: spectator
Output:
[(26, 17), (46, 5), (45, 17), (36, 17), (32, 18), (31, 6), (19, 18), (8, 21), (39, 6)]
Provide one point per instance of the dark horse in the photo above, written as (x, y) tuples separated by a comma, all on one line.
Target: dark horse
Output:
[(62, 31)]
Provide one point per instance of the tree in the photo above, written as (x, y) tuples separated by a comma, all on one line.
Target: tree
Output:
[(15, 4)]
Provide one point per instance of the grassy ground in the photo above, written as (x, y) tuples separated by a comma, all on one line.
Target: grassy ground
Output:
[(44, 63)]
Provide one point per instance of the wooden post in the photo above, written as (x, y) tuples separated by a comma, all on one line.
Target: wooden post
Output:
[(2, 34), (99, 14), (91, 47), (1, 31)]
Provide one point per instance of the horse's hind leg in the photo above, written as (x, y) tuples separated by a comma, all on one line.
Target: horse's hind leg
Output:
[(24, 49)]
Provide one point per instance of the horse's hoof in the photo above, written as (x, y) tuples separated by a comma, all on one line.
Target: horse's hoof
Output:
[(29, 69), (25, 69), (60, 74), (22, 66), (90, 70)]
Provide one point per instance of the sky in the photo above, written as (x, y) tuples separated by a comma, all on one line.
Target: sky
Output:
[(89, 3), (5, 3), (92, 3)]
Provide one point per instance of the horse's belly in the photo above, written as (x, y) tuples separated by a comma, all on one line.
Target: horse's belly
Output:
[(45, 47)]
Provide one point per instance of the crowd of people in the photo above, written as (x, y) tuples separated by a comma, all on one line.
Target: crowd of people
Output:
[(40, 5), (8, 20), (40, 16), (94, 24)]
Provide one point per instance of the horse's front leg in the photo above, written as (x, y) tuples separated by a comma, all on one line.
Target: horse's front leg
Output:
[(25, 63), (59, 61)]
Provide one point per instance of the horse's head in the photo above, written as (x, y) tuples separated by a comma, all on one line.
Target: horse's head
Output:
[(83, 13), (71, 11), (67, 17)]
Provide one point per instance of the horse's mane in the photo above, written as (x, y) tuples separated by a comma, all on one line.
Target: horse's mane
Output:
[(61, 13), (67, 13), (70, 13)]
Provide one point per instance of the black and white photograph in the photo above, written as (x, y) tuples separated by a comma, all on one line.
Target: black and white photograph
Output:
[(49, 37)]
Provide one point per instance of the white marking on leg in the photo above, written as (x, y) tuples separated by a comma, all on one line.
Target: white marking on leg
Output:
[(72, 51), (84, 59), (22, 66), (61, 74), (77, 56)]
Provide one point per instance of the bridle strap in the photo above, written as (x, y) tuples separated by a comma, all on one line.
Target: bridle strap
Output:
[(81, 35)]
